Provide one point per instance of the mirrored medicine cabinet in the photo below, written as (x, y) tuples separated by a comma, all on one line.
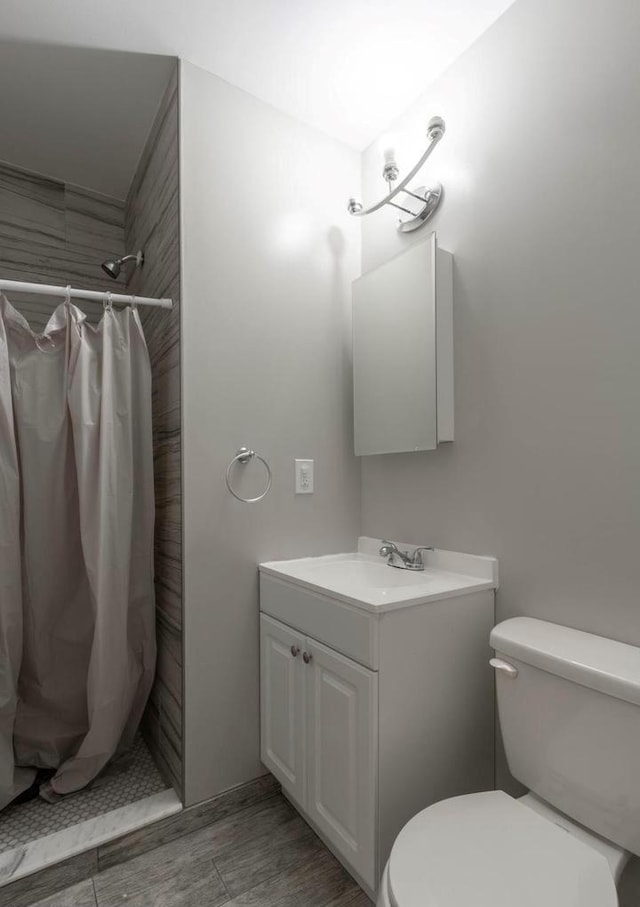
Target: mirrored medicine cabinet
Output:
[(403, 352)]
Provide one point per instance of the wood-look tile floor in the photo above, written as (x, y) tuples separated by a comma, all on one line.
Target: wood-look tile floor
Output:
[(266, 856)]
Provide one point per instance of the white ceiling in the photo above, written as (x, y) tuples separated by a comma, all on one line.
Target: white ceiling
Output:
[(347, 67)]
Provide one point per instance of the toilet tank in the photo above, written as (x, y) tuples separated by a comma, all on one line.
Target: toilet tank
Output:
[(570, 721)]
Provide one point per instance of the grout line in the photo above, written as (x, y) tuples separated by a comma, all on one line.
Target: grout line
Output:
[(242, 894), (95, 893), (215, 866)]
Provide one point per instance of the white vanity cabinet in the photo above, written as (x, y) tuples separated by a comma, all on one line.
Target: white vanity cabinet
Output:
[(370, 712), (282, 705), (319, 716)]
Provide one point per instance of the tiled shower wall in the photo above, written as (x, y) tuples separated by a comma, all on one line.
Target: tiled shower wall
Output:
[(152, 224), (52, 232)]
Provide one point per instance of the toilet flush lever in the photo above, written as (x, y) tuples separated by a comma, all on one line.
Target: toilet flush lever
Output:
[(504, 666)]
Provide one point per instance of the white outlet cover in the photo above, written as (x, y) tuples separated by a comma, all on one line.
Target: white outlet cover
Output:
[(304, 476)]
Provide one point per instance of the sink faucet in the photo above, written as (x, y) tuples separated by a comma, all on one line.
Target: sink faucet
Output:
[(402, 559)]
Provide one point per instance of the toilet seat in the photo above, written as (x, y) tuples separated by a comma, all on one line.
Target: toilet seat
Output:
[(489, 849)]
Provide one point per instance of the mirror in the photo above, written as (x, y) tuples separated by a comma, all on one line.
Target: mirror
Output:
[(403, 352)]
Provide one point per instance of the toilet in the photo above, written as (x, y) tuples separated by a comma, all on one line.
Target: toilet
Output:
[(569, 710)]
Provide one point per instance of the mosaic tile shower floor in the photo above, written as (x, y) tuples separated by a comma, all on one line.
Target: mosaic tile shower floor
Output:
[(26, 822)]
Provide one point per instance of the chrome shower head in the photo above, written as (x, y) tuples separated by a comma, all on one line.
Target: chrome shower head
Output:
[(113, 266)]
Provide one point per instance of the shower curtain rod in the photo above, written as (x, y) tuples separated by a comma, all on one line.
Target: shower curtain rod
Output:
[(19, 286)]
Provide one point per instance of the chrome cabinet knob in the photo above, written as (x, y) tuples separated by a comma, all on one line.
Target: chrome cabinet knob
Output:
[(306, 657), (295, 651)]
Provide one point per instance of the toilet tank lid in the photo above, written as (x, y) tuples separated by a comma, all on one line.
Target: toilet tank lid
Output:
[(593, 661)]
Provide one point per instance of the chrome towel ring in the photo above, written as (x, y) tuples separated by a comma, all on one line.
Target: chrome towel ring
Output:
[(244, 455)]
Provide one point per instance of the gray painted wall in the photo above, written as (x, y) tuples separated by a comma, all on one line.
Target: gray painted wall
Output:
[(540, 166), (269, 253), (541, 210)]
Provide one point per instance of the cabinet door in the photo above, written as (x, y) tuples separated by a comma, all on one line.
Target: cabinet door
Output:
[(342, 734), (282, 725)]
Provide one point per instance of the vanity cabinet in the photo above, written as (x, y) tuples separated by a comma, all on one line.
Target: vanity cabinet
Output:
[(319, 731), (368, 716), (282, 705)]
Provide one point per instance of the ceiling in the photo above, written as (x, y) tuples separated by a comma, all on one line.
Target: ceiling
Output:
[(77, 115), (347, 67)]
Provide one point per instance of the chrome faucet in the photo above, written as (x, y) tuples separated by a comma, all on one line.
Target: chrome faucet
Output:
[(403, 560)]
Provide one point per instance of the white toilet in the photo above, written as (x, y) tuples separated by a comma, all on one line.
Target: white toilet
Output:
[(569, 708)]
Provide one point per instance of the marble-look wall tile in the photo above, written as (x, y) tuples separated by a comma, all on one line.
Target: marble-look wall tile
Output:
[(55, 233), (30, 221), (94, 222), (152, 223), (32, 186)]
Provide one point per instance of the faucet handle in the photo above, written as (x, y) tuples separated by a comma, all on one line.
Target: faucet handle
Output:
[(416, 557), (387, 548)]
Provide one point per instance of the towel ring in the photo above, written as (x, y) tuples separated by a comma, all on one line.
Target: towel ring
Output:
[(244, 455)]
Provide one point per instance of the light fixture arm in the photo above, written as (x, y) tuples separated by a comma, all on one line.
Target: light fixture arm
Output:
[(435, 131)]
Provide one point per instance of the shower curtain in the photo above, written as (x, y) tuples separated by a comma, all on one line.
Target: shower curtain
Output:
[(77, 629)]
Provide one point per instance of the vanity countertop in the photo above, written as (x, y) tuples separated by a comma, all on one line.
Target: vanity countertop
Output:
[(363, 579)]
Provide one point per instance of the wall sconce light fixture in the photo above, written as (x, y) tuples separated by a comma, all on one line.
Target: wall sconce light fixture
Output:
[(418, 205)]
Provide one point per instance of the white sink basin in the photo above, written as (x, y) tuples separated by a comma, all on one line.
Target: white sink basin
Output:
[(359, 572), (367, 581)]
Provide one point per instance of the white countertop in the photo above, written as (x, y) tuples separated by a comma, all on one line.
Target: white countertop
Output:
[(364, 579)]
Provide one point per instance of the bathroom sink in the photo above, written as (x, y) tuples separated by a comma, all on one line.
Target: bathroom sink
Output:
[(359, 572), (366, 580)]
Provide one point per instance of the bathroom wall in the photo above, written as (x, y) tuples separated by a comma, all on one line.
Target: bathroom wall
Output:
[(152, 223), (55, 232), (268, 256), (541, 213)]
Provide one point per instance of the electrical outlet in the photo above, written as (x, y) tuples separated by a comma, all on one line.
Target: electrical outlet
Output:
[(304, 476)]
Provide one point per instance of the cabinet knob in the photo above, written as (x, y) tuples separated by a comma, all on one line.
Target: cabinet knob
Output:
[(295, 651), (306, 657)]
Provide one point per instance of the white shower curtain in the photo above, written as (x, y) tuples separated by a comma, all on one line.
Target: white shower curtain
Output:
[(77, 632)]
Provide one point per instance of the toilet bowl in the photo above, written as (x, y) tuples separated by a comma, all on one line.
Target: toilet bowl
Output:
[(490, 849), (569, 711)]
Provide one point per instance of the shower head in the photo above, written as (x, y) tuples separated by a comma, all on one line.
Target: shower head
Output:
[(113, 266)]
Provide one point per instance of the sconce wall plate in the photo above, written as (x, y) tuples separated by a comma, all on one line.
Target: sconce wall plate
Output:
[(431, 197)]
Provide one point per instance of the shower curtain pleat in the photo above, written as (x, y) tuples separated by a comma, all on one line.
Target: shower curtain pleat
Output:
[(10, 579), (51, 715), (81, 400)]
